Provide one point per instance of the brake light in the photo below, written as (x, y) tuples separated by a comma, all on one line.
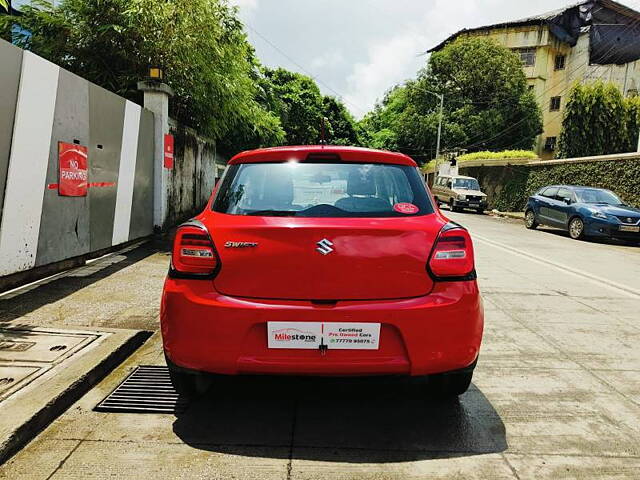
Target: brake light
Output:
[(452, 255), (193, 251)]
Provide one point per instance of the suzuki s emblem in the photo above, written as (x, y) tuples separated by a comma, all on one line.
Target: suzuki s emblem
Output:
[(324, 246)]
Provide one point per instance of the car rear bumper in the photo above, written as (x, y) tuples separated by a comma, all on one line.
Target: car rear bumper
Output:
[(205, 331)]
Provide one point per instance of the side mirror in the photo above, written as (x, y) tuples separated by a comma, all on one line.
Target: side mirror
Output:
[(449, 185), (567, 200)]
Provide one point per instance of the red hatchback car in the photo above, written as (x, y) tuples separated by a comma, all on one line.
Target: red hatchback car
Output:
[(322, 260)]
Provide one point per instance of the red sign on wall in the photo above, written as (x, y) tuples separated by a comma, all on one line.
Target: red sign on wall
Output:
[(72, 170), (168, 151)]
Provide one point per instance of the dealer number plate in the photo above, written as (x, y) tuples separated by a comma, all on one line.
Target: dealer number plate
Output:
[(629, 228), (334, 335)]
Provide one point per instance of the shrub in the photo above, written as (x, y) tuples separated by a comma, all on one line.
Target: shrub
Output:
[(497, 155)]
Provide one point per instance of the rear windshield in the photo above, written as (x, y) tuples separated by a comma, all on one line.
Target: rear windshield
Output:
[(300, 189)]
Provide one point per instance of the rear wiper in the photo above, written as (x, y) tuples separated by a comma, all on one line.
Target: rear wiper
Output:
[(273, 213)]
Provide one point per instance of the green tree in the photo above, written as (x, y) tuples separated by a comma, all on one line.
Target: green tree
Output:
[(486, 96), (200, 44), (594, 122), (487, 103), (297, 100), (342, 129), (379, 128)]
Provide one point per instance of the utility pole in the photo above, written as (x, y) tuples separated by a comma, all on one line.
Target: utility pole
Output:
[(440, 96), (440, 128)]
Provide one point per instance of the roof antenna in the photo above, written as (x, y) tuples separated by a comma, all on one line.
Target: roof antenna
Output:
[(323, 141)]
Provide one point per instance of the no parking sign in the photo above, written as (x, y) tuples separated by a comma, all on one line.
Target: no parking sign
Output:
[(72, 170)]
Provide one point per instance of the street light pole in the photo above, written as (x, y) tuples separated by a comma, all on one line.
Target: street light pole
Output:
[(441, 95)]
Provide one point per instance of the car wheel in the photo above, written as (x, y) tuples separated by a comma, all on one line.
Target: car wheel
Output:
[(576, 228), (530, 220), (188, 384), (450, 385), (480, 211), (183, 383), (452, 207)]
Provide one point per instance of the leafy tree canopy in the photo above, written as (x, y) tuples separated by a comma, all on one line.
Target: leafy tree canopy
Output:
[(340, 124), (200, 44), (297, 100), (487, 105)]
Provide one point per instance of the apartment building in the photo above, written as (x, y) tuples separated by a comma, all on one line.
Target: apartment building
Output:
[(587, 41)]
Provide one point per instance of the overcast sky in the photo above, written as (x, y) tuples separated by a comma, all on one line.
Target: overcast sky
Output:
[(357, 49)]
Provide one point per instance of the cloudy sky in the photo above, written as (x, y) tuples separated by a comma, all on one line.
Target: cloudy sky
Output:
[(357, 49)]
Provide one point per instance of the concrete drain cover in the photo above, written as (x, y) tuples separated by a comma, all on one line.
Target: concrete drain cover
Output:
[(28, 353), (147, 389)]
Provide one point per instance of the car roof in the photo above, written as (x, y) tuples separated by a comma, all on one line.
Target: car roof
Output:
[(573, 187), (456, 176), (307, 152)]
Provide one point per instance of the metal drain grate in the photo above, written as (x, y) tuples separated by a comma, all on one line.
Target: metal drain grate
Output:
[(147, 390)]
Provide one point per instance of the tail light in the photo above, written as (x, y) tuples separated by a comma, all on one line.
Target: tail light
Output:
[(193, 251), (452, 255)]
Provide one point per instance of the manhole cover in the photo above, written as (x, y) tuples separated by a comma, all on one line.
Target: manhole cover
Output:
[(11, 346), (13, 376), (147, 390)]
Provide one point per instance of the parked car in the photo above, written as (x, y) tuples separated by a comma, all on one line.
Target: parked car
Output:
[(459, 192), (322, 261), (583, 212)]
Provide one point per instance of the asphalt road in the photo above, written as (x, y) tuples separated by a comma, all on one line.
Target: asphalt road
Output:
[(556, 393)]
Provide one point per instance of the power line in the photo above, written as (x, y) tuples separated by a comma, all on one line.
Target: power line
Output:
[(599, 77), (514, 125), (631, 25), (285, 55)]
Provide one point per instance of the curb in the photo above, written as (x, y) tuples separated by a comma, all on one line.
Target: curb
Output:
[(514, 215), (39, 420)]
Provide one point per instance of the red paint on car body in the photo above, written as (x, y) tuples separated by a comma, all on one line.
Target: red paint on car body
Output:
[(377, 269)]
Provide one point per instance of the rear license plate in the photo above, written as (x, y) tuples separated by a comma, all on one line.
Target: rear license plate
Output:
[(335, 335), (629, 228)]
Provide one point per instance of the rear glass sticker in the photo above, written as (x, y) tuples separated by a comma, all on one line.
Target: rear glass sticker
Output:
[(406, 208)]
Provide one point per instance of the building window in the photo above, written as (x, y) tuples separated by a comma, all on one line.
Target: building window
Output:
[(550, 144), (560, 62), (554, 104), (527, 56), (531, 87)]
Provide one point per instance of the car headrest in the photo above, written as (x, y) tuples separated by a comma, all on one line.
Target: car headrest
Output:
[(361, 182), (278, 189)]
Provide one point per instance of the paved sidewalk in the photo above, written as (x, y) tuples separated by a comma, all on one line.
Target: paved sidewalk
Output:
[(61, 335)]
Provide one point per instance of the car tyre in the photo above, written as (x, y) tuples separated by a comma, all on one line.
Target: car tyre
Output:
[(530, 220), (576, 228), (450, 385), (188, 384), (480, 211), (452, 207)]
